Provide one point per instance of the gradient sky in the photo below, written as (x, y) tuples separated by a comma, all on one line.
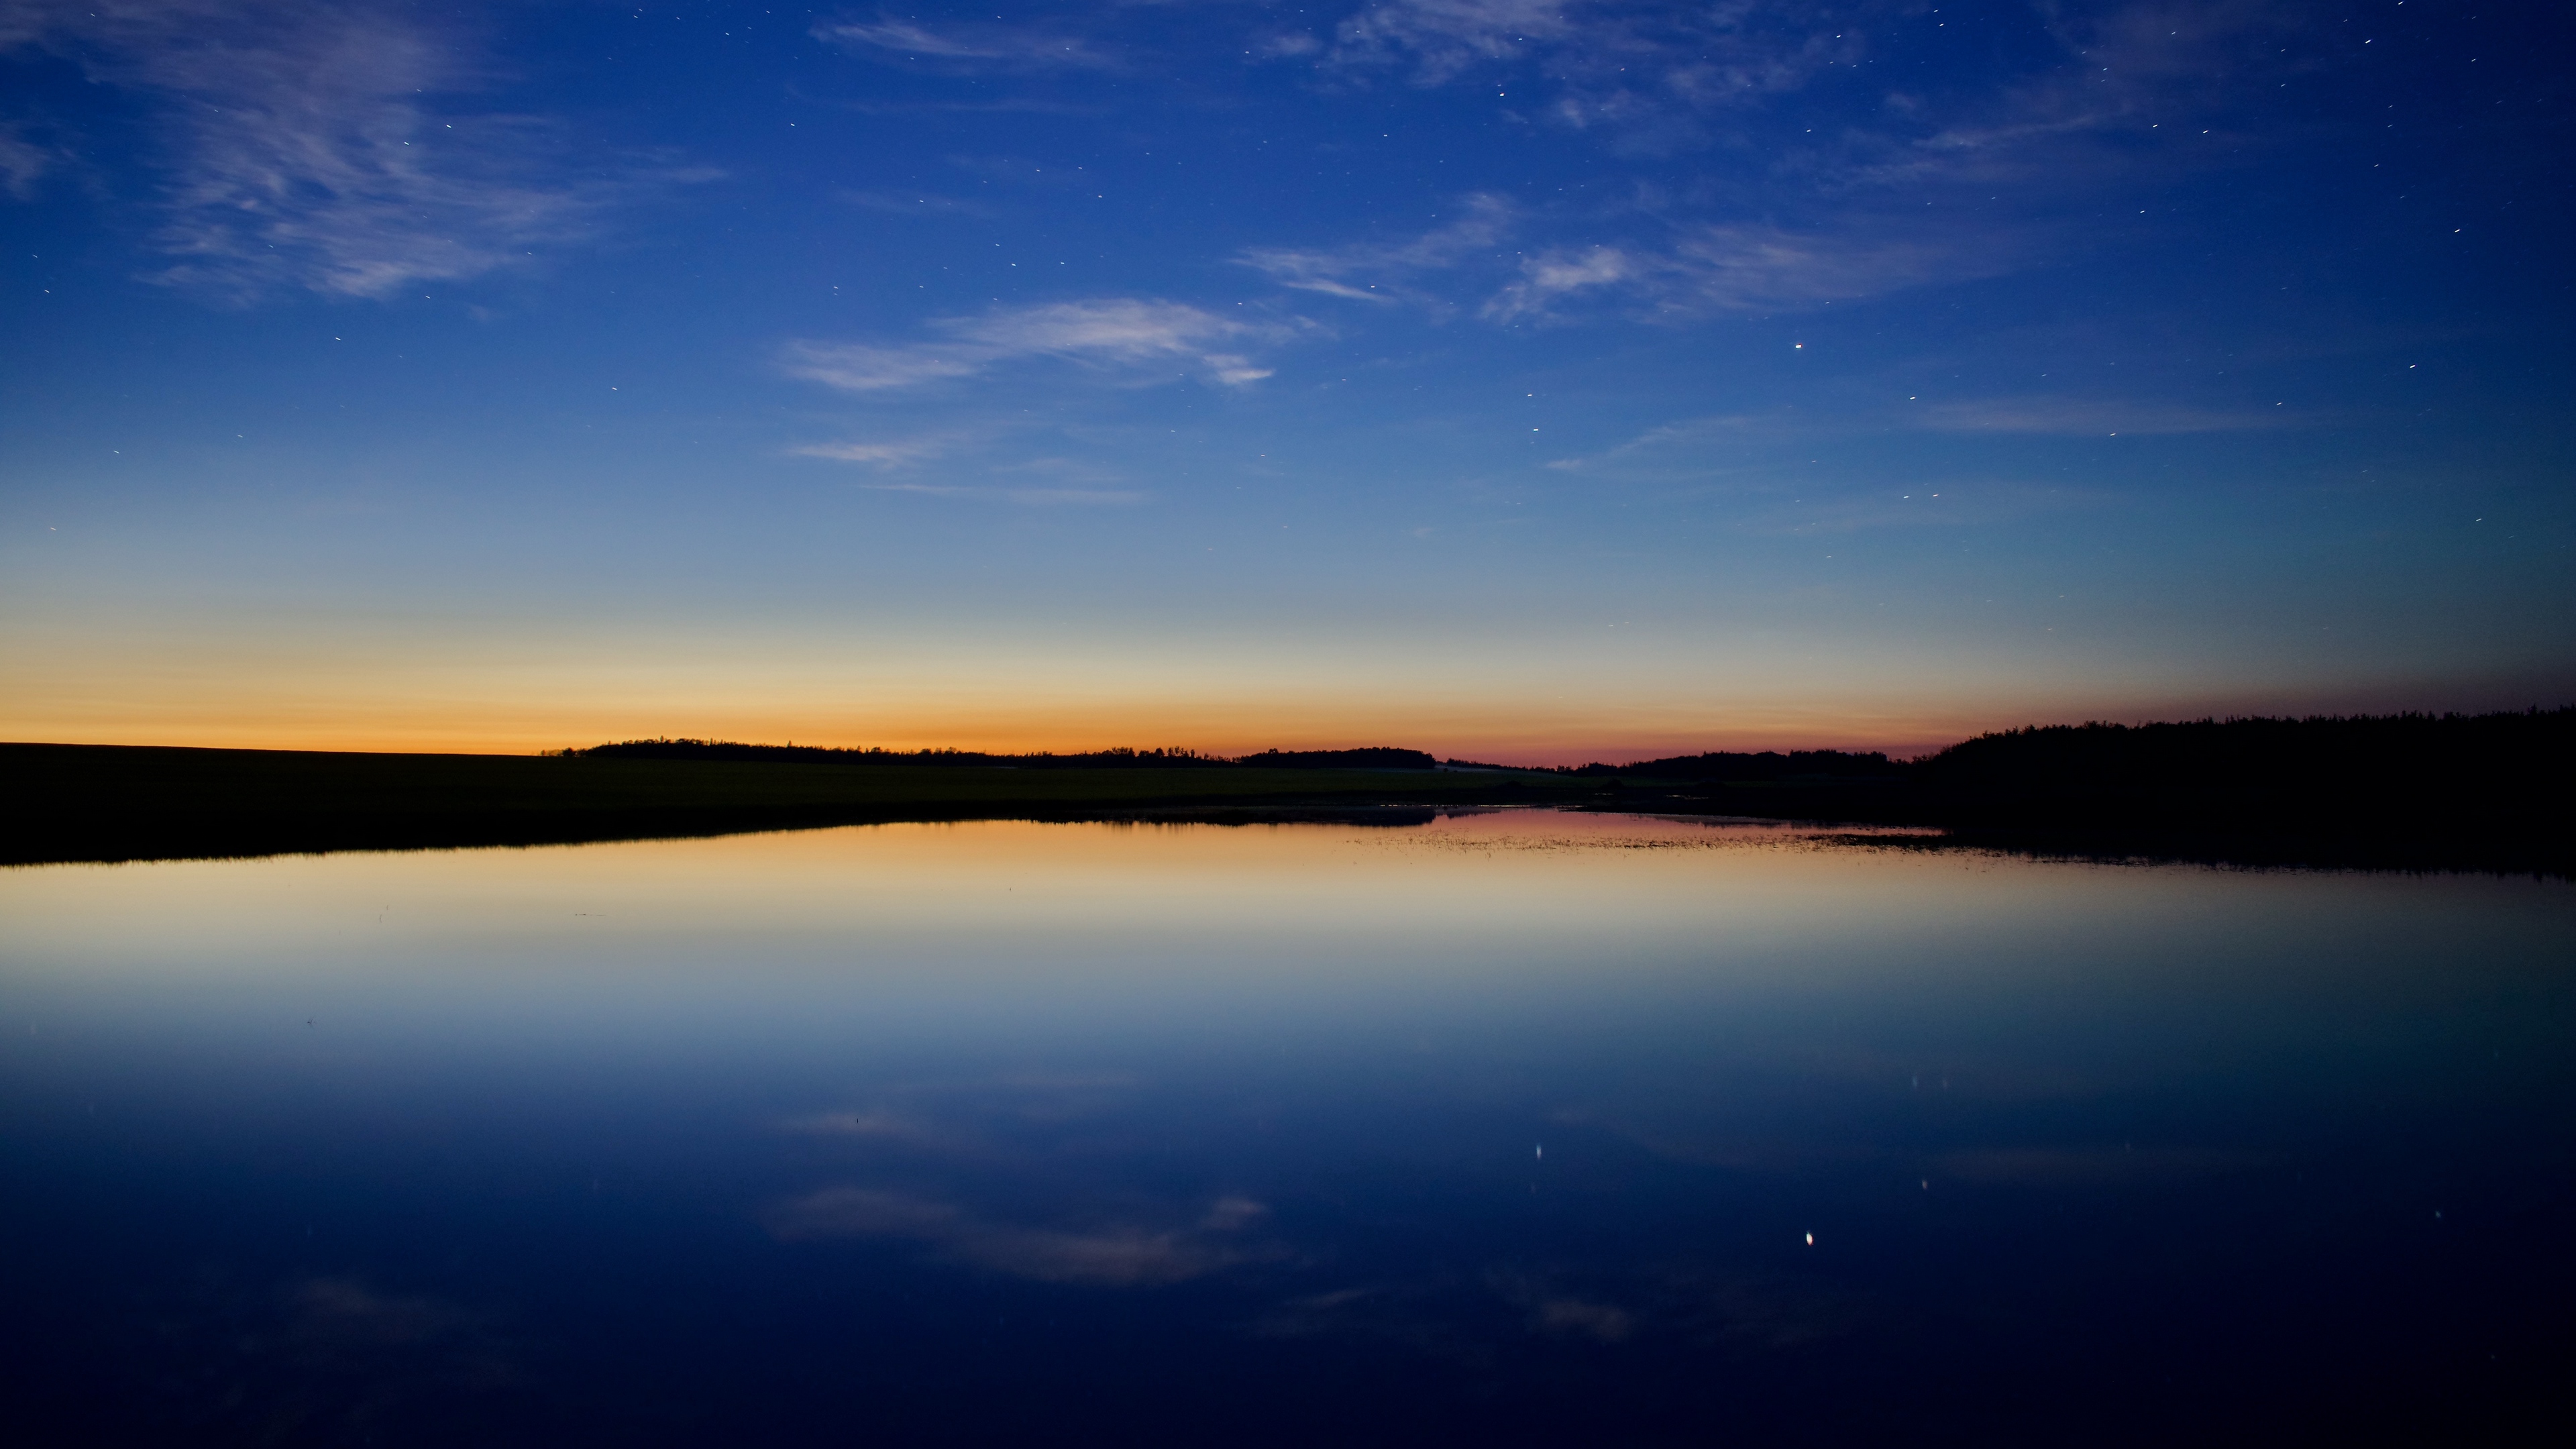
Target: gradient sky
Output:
[(1513, 380)]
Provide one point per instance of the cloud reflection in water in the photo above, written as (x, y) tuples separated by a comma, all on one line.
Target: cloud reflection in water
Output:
[(926, 1111)]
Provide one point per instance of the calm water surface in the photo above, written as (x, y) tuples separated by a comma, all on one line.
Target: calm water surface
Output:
[(1516, 1127)]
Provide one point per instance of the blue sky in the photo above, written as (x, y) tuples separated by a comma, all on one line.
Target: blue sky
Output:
[(1531, 381)]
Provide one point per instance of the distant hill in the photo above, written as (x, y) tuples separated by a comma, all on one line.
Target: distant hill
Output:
[(1380, 757), (1372, 758), (1767, 765)]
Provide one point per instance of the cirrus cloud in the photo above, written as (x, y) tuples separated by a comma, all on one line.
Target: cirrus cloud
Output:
[(969, 45), (1382, 271), (1101, 1255), (303, 148), (886, 454), (1123, 334), (2101, 417), (1733, 267)]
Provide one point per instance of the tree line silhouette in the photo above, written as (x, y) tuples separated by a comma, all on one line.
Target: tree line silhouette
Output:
[(1767, 766), (2447, 783), (1369, 758), (2409, 790), (2398, 771), (2404, 789), (2328, 766)]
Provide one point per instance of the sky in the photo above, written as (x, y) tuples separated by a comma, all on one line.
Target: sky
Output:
[(1535, 382)]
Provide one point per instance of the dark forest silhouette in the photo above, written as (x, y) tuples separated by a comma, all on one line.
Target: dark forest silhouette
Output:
[(2415, 789), (2208, 768), (2334, 764), (2490, 791), (2324, 787)]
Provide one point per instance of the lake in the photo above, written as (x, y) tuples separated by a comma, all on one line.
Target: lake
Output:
[(1514, 1126)]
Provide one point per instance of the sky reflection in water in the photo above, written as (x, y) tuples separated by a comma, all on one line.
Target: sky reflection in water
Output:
[(1515, 1126)]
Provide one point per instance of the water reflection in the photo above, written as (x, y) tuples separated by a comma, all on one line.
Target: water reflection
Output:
[(1507, 1125)]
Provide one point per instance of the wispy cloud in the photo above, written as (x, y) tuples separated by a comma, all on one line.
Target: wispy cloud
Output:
[(1113, 1257), (861, 367), (1102, 1255), (1633, 67), (1694, 442), (1551, 1311), (2091, 417), (1560, 273), (23, 162), (997, 1174), (1068, 483), (348, 1308), (1029, 497), (1627, 65), (1075, 497), (891, 454), (889, 38), (1683, 434), (1056, 483), (1965, 181), (1445, 37), (1765, 268), (1125, 334), (304, 148), (2128, 84), (1122, 331), (1380, 271), (1707, 268)]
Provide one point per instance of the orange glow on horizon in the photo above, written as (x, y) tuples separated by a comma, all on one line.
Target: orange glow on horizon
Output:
[(427, 689), (1519, 748)]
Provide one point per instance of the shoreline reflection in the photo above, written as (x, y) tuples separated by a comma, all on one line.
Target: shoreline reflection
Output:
[(1507, 1124)]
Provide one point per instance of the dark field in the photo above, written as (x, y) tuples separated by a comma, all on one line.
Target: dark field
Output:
[(112, 802)]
